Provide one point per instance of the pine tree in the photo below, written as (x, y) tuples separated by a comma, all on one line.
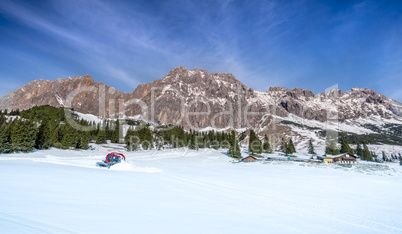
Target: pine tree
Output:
[(3, 119), (115, 133), (331, 148), (231, 142), (311, 147), (284, 146), (54, 133), (46, 134), (345, 148), (384, 156), (215, 143), (146, 138), (83, 140), (23, 136), (15, 134), (400, 159), (254, 145), (234, 148), (207, 141), (5, 146), (266, 146), (101, 137), (108, 132), (291, 147), (69, 137), (192, 141), (237, 152), (366, 154), (131, 139), (359, 150)]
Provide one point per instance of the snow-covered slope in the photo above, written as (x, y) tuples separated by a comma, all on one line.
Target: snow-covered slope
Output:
[(374, 129), (56, 191)]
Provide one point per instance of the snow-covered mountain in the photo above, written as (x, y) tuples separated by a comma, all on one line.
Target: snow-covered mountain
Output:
[(222, 102)]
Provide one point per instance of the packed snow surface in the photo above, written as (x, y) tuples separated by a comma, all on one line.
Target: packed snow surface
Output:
[(184, 191)]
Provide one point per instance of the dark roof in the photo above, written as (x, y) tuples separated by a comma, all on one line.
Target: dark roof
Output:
[(340, 155), (250, 156)]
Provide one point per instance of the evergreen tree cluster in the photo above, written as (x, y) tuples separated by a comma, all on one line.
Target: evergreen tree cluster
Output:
[(256, 146), (287, 147), (141, 136), (107, 130), (362, 151), (345, 148), (174, 137), (43, 127)]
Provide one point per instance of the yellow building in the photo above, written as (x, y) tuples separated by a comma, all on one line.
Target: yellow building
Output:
[(328, 160)]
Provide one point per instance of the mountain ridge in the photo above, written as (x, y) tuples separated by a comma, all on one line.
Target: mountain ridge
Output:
[(221, 95)]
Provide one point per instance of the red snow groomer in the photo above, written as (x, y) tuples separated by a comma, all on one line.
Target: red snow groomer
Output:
[(111, 159)]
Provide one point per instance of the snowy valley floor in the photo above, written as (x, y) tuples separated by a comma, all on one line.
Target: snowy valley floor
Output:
[(56, 191)]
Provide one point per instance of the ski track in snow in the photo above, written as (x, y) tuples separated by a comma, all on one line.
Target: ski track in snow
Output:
[(316, 210), (25, 225)]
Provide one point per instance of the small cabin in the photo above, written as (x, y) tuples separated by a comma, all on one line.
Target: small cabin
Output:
[(345, 158), (249, 159)]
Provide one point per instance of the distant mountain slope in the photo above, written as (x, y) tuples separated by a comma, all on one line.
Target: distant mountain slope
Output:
[(219, 97)]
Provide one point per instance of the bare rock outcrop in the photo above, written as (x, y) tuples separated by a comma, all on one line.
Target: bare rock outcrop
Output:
[(197, 99)]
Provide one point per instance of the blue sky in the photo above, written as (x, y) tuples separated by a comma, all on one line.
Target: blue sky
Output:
[(306, 44)]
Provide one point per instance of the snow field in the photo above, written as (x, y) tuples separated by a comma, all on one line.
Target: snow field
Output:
[(182, 191)]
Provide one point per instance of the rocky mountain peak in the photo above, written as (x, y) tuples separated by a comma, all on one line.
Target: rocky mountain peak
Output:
[(298, 93), (183, 78), (277, 89), (175, 71), (220, 92)]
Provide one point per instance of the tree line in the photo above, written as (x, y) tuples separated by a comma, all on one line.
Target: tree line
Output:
[(175, 137), (171, 136), (43, 127)]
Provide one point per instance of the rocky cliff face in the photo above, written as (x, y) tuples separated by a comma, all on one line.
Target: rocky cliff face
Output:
[(60, 93), (197, 99)]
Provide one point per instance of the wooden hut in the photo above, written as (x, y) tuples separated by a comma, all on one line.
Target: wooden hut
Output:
[(249, 158), (345, 158)]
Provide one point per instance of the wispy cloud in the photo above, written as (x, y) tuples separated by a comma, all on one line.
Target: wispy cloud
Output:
[(97, 50), (301, 43), (29, 18), (112, 36)]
